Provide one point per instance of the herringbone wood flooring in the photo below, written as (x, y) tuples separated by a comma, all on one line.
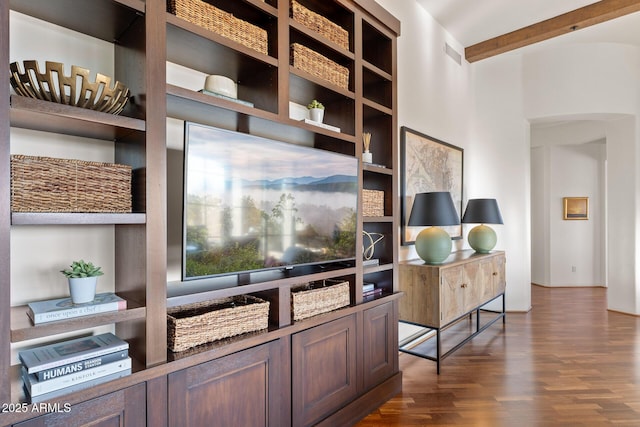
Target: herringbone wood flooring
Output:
[(567, 362)]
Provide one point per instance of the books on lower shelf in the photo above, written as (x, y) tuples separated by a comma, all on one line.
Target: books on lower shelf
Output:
[(369, 290), (368, 287), (75, 350), (373, 293), (55, 369), (62, 308), (76, 387), (83, 365), (36, 388)]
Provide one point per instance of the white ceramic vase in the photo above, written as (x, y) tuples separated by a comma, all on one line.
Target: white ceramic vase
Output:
[(367, 157), (82, 289), (316, 114)]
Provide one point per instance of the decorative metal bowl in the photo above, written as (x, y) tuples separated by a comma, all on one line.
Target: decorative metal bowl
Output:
[(76, 90)]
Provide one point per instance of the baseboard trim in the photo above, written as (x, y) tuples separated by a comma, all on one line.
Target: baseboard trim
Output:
[(567, 286), (365, 404)]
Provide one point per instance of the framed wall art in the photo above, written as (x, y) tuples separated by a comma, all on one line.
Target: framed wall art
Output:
[(575, 208), (428, 164)]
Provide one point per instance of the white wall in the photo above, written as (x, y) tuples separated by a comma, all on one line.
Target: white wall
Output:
[(39, 252), (540, 238), (598, 82), (576, 246), (581, 79), (486, 108), (557, 173), (448, 101), (433, 90), (500, 156), (622, 194)]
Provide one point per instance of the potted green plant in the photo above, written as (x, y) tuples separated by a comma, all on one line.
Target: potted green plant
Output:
[(316, 111), (83, 279)]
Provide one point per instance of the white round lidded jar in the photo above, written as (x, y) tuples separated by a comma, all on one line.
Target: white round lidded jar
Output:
[(221, 85)]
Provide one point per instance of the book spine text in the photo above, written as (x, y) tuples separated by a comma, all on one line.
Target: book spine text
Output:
[(36, 387), (52, 316), (71, 368)]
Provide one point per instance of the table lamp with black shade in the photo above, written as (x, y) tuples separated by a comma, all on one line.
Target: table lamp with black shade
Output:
[(482, 238), (435, 209)]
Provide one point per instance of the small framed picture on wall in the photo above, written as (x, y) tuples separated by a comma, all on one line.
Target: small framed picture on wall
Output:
[(575, 208)]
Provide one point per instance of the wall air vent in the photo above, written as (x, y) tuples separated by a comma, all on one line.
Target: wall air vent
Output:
[(453, 54)]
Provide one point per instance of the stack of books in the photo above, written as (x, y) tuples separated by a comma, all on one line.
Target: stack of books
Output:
[(56, 369), (63, 308), (369, 290)]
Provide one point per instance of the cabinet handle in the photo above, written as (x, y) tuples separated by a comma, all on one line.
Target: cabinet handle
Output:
[(464, 285), (495, 273)]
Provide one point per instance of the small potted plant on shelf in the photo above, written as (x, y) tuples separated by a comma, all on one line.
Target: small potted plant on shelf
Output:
[(316, 111), (83, 279)]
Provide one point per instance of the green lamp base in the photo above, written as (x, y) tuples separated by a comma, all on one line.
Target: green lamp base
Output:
[(482, 238), (433, 245)]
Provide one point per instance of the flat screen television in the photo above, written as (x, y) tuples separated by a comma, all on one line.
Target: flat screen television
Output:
[(253, 204)]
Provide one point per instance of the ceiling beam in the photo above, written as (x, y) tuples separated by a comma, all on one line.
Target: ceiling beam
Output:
[(583, 17)]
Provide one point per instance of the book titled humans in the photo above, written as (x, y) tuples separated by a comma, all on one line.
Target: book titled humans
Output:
[(36, 388), (82, 365), (75, 387), (63, 308), (62, 353)]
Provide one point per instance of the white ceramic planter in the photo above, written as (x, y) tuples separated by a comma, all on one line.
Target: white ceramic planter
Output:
[(316, 114), (82, 289)]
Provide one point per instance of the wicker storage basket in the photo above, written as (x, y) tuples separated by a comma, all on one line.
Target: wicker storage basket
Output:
[(46, 184), (320, 24), (318, 65), (220, 22), (318, 297), (194, 324), (372, 202)]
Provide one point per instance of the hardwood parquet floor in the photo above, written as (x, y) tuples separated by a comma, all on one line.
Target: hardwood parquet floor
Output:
[(567, 362)]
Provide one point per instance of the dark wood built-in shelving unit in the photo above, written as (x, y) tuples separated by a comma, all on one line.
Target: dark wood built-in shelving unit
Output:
[(331, 369)]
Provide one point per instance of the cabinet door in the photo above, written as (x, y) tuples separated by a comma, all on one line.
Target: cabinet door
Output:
[(323, 370), (124, 408), (485, 280), (473, 285), (452, 294), (498, 274), (243, 389), (380, 337), (421, 285)]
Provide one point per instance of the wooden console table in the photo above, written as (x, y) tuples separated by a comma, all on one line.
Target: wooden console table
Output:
[(438, 296)]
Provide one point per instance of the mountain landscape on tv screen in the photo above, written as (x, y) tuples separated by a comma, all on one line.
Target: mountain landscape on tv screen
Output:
[(253, 203)]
